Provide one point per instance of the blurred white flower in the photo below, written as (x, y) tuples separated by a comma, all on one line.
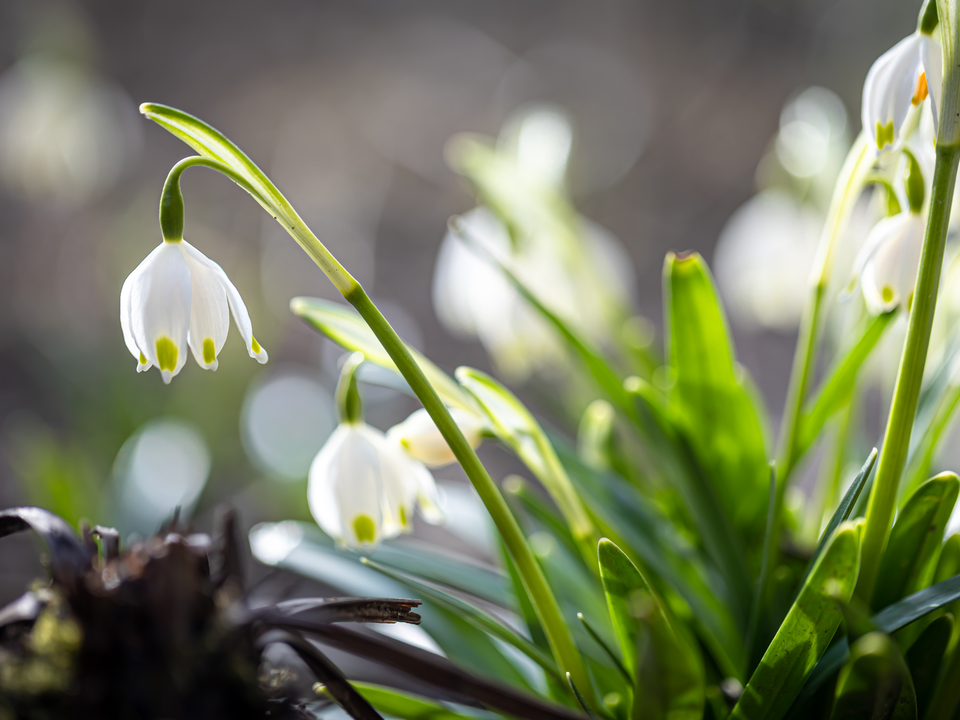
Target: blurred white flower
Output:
[(363, 487), (901, 77), (763, 257), (65, 134), (419, 436), (178, 297), (812, 139), (887, 263)]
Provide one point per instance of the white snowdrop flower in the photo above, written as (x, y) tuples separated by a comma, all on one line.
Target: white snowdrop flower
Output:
[(903, 76), (421, 438), (363, 487), (177, 297), (886, 266), (889, 260)]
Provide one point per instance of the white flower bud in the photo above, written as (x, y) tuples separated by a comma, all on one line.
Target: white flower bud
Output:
[(419, 436)]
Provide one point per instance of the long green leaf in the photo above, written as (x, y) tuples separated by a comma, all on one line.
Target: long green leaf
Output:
[(910, 559), (599, 369), (709, 396), (638, 526), (835, 389), (396, 703), (345, 327), (805, 632), (843, 509), (655, 648), (888, 620), (924, 658), (875, 683), (471, 613), (516, 427)]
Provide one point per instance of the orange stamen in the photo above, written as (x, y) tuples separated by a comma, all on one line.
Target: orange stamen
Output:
[(920, 94)]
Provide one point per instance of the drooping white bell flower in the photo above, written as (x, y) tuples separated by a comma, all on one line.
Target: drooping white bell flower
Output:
[(177, 297), (901, 77), (421, 438), (886, 266), (363, 487), (888, 262)]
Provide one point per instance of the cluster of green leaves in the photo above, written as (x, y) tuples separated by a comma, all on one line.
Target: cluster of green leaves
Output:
[(660, 537)]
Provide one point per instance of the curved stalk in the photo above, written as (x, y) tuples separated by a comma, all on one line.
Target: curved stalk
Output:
[(558, 634)]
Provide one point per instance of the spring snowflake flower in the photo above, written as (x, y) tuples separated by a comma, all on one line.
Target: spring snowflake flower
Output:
[(177, 297), (419, 436), (363, 486), (903, 76)]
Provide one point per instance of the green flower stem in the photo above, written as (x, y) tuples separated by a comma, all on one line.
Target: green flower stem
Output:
[(558, 634), (906, 394), (561, 642)]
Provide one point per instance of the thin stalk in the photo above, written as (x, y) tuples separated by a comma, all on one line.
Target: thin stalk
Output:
[(906, 394), (558, 634)]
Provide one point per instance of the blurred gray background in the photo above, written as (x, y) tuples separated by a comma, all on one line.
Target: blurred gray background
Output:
[(347, 106)]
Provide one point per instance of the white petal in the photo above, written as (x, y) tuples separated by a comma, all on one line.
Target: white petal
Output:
[(126, 310), (419, 436), (931, 56), (428, 497), (889, 274), (344, 488), (160, 309), (888, 90), (240, 315), (209, 312), (398, 490)]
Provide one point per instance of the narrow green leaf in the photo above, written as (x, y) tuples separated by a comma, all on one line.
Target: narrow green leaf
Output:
[(835, 389), (583, 703), (709, 397), (471, 613), (924, 658), (599, 369), (390, 701), (875, 683), (345, 327), (888, 620), (516, 427), (945, 701), (910, 559), (843, 509), (655, 647), (618, 663), (638, 526), (761, 584), (805, 632)]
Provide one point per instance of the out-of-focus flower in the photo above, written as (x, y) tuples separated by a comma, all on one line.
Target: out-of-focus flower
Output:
[(763, 257), (363, 487), (65, 134), (573, 266), (901, 77), (887, 264), (178, 297), (419, 436)]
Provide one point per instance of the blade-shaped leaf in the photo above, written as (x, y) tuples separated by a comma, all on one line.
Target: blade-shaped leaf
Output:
[(516, 427), (709, 397), (655, 647), (471, 613), (875, 683), (395, 703), (843, 509), (805, 632), (835, 389), (345, 327), (911, 555), (888, 620), (924, 658)]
